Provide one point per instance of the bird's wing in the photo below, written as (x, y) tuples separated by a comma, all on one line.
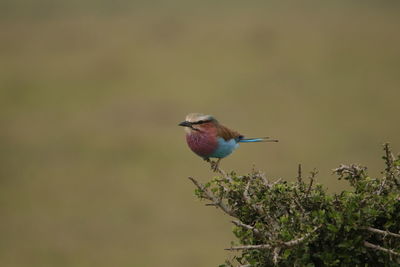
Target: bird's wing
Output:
[(227, 133)]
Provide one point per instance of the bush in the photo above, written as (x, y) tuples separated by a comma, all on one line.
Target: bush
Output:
[(300, 224)]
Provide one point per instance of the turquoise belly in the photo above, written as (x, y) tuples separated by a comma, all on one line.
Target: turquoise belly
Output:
[(224, 148)]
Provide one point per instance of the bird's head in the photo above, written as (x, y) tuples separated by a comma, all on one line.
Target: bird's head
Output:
[(197, 122)]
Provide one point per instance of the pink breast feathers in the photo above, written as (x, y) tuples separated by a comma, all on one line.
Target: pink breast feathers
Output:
[(202, 144)]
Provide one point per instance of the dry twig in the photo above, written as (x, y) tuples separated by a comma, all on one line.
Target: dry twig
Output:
[(376, 247), (215, 167), (281, 245), (210, 196), (247, 247), (382, 232), (275, 253), (312, 178), (252, 228), (299, 174), (248, 199)]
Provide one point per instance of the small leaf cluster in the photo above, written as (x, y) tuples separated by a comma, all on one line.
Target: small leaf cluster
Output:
[(300, 224)]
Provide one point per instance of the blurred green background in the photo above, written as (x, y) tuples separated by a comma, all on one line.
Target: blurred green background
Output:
[(93, 165)]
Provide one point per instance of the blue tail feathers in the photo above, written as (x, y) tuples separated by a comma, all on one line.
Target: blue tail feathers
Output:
[(261, 139)]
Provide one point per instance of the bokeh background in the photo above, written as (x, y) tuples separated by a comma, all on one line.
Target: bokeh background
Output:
[(93, 165)]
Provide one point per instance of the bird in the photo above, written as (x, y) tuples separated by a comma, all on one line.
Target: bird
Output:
[(207, 138)]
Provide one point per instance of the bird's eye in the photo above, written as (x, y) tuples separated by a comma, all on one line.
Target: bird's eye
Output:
[(201, 122)]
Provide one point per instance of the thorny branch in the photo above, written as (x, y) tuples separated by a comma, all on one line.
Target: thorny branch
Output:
[(299, 174), (312, 178), (215, 167), (248, 199), (249, 227), (264, 178), (280, 245), (390, 169), (210, 196), (297, 201), (352, 170), (376, 247), (275, 253), (382, 232), (262, 246), (389, 159), (270, 210), (297, 241)]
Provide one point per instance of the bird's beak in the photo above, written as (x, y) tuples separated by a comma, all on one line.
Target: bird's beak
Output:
[(185, 124)]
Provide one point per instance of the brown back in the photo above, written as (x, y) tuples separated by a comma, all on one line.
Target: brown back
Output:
[(227, 133)]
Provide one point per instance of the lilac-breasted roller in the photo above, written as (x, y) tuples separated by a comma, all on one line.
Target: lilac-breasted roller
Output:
[(209, 139)]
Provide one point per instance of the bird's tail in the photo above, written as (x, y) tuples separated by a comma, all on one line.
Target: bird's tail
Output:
[(259, 139)]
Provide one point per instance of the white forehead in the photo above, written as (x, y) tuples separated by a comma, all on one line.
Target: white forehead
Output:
[(193, 117)]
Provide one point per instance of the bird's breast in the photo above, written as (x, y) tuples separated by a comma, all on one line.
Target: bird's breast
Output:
[(202, 144)]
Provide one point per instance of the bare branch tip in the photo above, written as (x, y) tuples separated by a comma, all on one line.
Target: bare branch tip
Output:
[(376, 247)]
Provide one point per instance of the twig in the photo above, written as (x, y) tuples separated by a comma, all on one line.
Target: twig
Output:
[(216, 168), (299, 178), (276, 182), (296, 200), (390, 168), (210, 196), (264, 178), (246, 193), (248, 200), (262, 246), (389, 159), (382, 186), (382, 232), (312, 178), (281, 245), (376, 247), (223, 173), (273, 227), (275, 258), (297, 241), (266, 182), (249, 227)]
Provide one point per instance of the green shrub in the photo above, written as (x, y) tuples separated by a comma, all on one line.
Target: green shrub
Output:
[(300, 224)]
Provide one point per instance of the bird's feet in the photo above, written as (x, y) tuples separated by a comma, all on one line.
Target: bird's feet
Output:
[(214, 165)]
